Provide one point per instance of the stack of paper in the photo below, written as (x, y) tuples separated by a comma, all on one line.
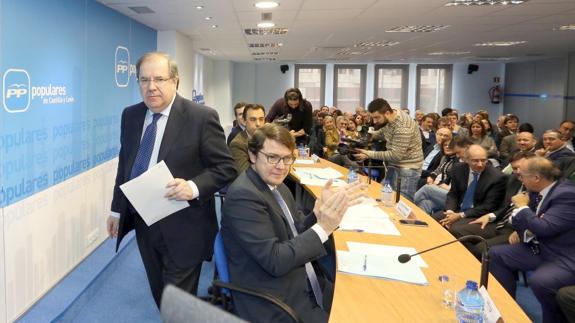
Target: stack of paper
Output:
[(383, 266), (385, 250), (367, 218)]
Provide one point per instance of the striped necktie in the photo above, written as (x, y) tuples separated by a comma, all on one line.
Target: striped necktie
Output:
[(146, 147)]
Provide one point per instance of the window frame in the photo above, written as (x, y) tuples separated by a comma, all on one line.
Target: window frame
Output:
[(321, 67), (404, 81), (448, 83), (363, 81)]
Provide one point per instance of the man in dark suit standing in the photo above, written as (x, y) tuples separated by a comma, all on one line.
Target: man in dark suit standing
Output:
[(271, 246), (548, 236), (190, 140), (477, 188)]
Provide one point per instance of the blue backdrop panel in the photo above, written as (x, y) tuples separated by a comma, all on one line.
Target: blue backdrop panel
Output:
[(68, 70)]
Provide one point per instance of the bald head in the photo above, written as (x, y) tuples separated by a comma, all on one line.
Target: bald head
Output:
[(525, 141), (476, 158)]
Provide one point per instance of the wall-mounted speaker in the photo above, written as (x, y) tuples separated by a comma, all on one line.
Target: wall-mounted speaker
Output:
[(472, 68), (284, 68)]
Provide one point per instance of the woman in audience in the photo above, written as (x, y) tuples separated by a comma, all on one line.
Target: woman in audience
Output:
[(358, 118), (331, 136), (479, 136), (431, 197), (352, 129), (367, 119), (509, 127), (489, 129)]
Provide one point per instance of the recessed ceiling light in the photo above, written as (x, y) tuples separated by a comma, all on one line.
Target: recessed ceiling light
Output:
[(500, 43), (376, 44), (214, 26), (199, 7), (566, 27), (208, 18), (266, 4), (448, 53), (266, 24), (484, 2), (417, 29)]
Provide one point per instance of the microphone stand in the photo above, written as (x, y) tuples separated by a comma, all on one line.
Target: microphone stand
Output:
[(403, 258)]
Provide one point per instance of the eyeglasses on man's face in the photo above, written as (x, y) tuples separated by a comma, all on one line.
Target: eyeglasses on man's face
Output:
[(159, 81), (275, 159)]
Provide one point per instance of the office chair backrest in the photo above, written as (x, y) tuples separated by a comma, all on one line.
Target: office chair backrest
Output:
[(181, 307), (221, 261)]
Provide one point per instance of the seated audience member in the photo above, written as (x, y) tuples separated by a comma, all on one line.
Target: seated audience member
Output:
[(489, 129), (553, 147), (254, 116), (352, 129), (477, 188), (358, 119), (317, 138), (272, 247), (444, 122), (508, 145), (547, 235), (427, 132), (525, 142), (509, 127), (456, 129), (367, 119), (341, 125), (494, 226), (478, 136), (359, 110), (324, 109), (432, 157), (299, 111), (331, 136), (567, 129), (431, 196), (446, 111), (240, 124), (566, 300)]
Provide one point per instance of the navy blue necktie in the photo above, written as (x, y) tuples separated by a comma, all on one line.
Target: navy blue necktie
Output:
[(146, 147), (470, 193)]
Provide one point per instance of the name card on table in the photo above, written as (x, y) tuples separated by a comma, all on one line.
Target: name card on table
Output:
[(403, 209)]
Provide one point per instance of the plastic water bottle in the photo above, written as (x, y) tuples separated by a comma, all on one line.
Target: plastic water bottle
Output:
[(387, 194), (301, 151), (469, 305), (351, 176)]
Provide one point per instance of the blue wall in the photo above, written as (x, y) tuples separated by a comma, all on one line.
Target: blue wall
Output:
[(68, 70)]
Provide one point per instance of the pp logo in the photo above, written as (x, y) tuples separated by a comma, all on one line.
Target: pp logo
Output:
[(122, 66), (16, 90)]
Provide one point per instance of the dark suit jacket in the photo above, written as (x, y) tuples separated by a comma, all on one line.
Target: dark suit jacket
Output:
[(488, 194), (513, 185), (193, 147), (559, 154), (233, 133), (554, 225), (239, 150), (263, 254)]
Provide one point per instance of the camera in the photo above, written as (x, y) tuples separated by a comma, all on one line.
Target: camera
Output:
[(349, 145), (283, 120)]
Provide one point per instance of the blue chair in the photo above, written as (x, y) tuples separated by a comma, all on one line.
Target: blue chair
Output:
[(222, 286)]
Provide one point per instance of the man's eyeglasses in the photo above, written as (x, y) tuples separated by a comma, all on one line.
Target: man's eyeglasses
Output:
[(275, 159), (159, 81)]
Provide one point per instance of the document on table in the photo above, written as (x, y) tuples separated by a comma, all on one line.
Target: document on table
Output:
[(386, 250), (360, 263), (318, 176), (146, 193), (304, 161), (367, 218)]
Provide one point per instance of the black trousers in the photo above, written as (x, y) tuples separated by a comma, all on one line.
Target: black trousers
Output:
[(160, 268), (494, 237), (566, 299)]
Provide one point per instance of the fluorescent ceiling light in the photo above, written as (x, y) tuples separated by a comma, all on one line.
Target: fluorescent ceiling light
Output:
[(214, 26), (500, 43), (208, 18), (417, 29), (266, 24), (266, 4), (199, 7), (448, 53), (484, 2)]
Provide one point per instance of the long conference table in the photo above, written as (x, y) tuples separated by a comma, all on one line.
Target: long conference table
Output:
[(368, 299)]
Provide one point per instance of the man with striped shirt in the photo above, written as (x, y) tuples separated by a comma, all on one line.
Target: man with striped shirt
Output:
[(403, 156)]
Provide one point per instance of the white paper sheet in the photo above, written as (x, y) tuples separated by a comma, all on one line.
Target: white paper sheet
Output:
[(319, 173), (385, 250), (360, 263), (304, 161), (491, 312), (368, 218), (146, 193)]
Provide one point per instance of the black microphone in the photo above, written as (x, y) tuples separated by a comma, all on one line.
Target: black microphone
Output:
[(403, 258)]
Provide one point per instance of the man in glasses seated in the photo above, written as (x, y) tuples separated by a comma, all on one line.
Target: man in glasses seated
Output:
[(272, 247)]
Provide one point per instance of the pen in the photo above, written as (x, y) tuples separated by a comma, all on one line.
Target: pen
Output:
[(365, 263), (352, 230)]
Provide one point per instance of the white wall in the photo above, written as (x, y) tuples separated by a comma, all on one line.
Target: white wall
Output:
[(470, 92), (181, 49)]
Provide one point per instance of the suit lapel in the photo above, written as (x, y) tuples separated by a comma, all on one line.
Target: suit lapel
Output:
[(134, 134), (176, 121), (545, 202), (270, 199)]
